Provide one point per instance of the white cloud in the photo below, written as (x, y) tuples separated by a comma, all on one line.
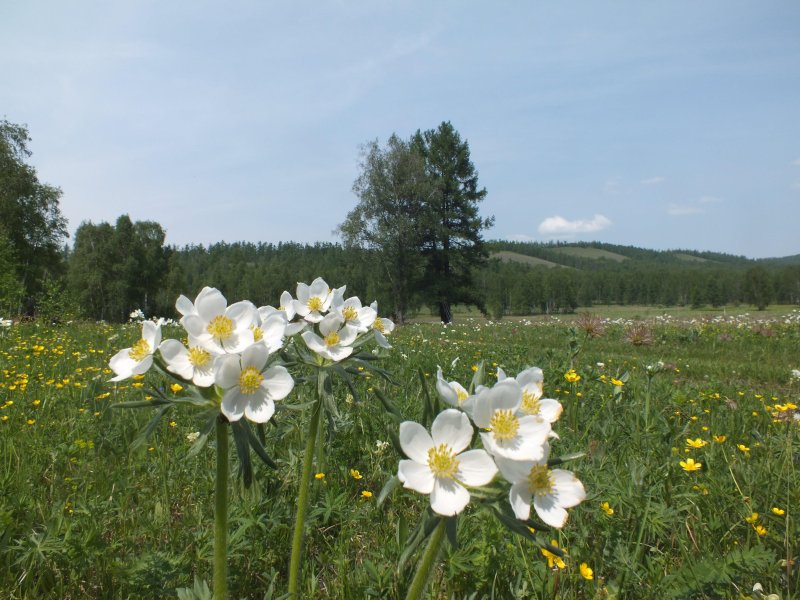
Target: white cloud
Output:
[(709, 200), (653, 180), (520, 237), (560, 226), (681, 210)]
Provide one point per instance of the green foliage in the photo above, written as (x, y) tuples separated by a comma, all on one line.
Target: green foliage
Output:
[(30, 215), (11, 289)]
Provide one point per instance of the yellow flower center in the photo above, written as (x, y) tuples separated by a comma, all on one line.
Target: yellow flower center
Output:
[(198, 357), (350, 313), (250, 380), (442, 461), (331, 339), (504, 425), (462, 396), (379, 325), (530, 403), (220, 327), (540, 480), (139, 351), (258, 333), (314, 303)]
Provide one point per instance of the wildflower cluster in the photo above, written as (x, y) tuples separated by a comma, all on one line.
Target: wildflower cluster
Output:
[(515, 425)]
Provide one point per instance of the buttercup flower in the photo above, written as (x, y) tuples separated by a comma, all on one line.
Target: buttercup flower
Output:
[(335, 345), (436, 464), (139, 358), (551, 491), (506, 434), (553, 560), (586, 571), (690, 465), (249, 389)]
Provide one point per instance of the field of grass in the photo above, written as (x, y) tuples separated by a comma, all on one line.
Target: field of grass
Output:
[(85, 515)]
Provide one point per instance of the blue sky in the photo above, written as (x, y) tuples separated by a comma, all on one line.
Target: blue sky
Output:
[(662, 125)]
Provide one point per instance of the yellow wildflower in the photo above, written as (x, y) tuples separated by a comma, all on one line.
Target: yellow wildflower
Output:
[(553, 559), (586, 572), (696, 443), (690, 465), (606, 508), (752, 518), (778, 511), (355, 474)]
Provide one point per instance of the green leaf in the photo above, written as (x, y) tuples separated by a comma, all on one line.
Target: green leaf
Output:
[(142, 403), (141, 438), (205, 431), (257, 445), (558, 460), (451, 528), (478, 378), (391, 485), (393, 411), (242, 442)]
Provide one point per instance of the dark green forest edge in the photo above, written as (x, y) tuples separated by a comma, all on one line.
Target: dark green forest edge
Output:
[(109, 271)]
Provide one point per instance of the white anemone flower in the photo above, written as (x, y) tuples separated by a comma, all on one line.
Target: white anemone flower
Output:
[(219, 327), (269, 330), (532, 382), (137, 359), (382, 327), (507, 434), (286, 308), (336, 340), (438, 466), (360, 317), (250, 390), (195, 363), (550, 491), (314, 300), (454, 393)]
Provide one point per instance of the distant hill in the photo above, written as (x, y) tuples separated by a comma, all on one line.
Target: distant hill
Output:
[(507, 256), (590, 253)]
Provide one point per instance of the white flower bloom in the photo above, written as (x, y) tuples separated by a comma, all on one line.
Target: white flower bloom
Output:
[(382, 327), (195, 363), (454, 393), (218, 327), (249, 389), (313, 300), (551, 491), (507, 434), (360, 317), (532, 382), (286, 308), (338, 335), (270, 330), (436, 464), (139, 358)]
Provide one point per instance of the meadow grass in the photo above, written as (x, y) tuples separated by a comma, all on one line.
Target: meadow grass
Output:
[(85, 514)]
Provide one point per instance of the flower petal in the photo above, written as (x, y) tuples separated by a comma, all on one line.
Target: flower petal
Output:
[(452, 427), (415, 476), (415, 441), (549, 511), (519, 496), (476, 468), (210, 304), (569, 489), (448, 498), (259, 410), (234, 404), (228, 371), (278, 382)]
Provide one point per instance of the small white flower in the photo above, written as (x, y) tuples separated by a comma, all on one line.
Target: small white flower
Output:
[(454, 393), (286, 308), (532, 382), (382, 327), (436, 464), (251, 391), (314, 300), (139, 358), (505, 433), (215, 325), (551, 491), (195, 363), (335, 345), (360, 317)]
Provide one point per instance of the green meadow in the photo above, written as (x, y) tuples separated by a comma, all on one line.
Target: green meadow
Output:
[(687, 422)]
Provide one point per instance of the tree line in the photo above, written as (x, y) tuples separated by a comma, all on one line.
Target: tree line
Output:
[(413, 242)]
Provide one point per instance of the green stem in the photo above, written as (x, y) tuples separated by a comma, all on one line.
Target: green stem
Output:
[(426, 563), (221, 513), (302, 500)]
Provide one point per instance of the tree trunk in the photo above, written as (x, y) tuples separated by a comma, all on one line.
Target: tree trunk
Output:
[(444, 312)]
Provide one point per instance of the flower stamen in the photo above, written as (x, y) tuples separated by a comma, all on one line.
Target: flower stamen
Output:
[(250, 380), (220, 327), (540, 480), (504, 425), (442, 461), (139, 351)]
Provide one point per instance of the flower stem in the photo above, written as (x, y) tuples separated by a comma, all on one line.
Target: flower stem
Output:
[(221, 513), (426, 563), (302, 501)]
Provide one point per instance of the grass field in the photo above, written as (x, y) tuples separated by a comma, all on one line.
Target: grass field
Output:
[(83, 515)]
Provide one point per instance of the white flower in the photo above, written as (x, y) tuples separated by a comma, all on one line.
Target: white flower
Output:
[(532, 382), (454, 393), (195, 363), (360, 317), (796, 374), (286, 308), (382, 327), (269, 330), (507, 434), (139, 358), (217, 326), (335, 345), (437, 465), (314, 300), (249, 389), (551, 491)]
